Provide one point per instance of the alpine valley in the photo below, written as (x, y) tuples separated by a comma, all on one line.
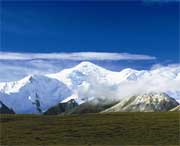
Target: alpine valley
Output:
[(88, 88)]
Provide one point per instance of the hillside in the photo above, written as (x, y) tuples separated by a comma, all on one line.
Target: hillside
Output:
[(90, 107), (62, 108)]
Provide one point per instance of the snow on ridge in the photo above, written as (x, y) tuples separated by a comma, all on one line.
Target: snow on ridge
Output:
[(13, 87), (23, 95)]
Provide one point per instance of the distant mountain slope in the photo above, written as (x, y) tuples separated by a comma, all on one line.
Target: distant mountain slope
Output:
[(145, 103), (62, 108), (177, 108), (5, 110), (92, 107)]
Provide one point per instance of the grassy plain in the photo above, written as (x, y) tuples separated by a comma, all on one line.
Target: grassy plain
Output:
[(112, 129)]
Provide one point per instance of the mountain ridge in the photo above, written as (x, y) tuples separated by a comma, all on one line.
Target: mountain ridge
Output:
[(85, 82), (22, 99), (149, 102)]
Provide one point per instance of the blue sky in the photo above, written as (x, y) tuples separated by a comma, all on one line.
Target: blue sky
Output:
[(133, 27), (141, 27)]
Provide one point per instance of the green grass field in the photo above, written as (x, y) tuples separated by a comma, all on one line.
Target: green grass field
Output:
[(113, 129)]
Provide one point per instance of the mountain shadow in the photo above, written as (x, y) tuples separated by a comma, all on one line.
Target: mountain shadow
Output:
[(4, 109)]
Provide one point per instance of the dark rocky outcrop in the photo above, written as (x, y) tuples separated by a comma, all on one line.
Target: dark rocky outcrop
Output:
[(62, 108), (5, 110)]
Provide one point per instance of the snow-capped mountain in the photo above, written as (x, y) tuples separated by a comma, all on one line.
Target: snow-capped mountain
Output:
[(87, 82), (145, 103), (32, 93), (85, 71)]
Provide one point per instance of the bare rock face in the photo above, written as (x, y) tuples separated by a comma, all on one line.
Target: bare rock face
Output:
[(150, 102)]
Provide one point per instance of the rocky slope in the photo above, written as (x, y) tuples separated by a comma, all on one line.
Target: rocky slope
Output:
[(62, 108), (92, 107), (150, 102), (176, 109)]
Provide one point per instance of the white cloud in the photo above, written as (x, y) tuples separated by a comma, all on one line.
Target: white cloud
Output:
[(75, 56), (161, 79)]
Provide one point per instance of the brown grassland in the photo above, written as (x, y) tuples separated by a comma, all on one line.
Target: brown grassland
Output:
[(112, 129)]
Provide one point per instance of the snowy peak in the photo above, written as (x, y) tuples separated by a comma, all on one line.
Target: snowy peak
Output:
[(83, 72), (14, 87), (129, 74), (83, 67), (33, 93), (88, 66), (132, 74), (86, 69)]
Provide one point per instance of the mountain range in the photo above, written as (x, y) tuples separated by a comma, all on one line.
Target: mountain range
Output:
[(88, 83)]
